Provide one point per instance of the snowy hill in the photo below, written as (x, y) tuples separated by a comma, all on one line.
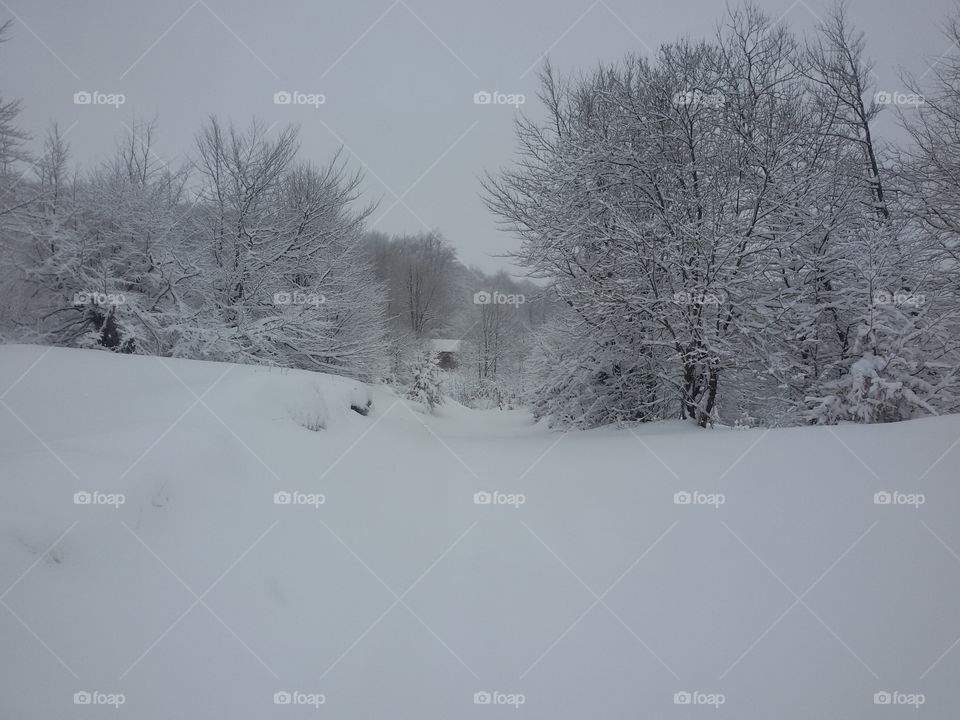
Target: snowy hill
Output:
[(192, 539)]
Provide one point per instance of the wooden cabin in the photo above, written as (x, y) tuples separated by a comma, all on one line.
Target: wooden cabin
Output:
[(446, 352)]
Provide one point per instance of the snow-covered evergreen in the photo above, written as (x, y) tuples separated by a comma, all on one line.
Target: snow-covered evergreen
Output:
[(426, 387)]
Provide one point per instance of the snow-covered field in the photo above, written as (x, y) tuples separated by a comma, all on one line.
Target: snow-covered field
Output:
[(586, 588)]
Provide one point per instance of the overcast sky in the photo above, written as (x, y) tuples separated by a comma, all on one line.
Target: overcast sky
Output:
[(398, 78)]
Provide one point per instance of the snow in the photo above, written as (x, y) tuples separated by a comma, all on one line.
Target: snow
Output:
[(445, 345), (581, 589)]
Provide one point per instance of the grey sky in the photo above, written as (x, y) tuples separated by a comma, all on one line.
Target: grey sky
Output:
[(398, 77)]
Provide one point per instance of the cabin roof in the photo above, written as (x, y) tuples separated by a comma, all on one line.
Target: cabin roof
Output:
[(443, 345)]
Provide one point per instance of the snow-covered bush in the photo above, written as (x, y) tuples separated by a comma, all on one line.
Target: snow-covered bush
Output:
[(892, 374), (360, 400), (580, 382), (427, 385), (310, 410)]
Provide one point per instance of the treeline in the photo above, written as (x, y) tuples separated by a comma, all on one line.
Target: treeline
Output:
[(244, 253), (730, 239)]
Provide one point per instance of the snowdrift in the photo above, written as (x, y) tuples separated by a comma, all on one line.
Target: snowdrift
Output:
[(191, 539)]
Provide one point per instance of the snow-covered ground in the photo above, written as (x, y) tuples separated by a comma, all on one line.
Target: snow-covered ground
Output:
[(587, 588)]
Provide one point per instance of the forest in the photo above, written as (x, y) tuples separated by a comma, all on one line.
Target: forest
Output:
[(713, 232)]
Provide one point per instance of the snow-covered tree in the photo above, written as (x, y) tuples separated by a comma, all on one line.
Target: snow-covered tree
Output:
[(262, 266), (426, 387), (652, 199), (717, 220), (892, 376)]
